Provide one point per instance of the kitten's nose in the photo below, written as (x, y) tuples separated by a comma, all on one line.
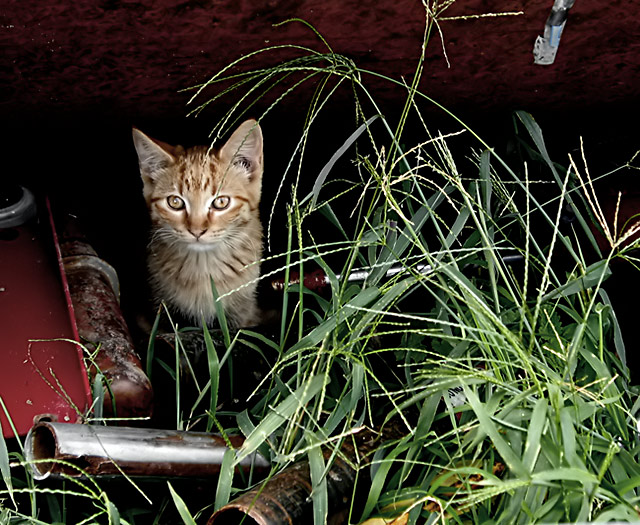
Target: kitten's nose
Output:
[(197, 234)]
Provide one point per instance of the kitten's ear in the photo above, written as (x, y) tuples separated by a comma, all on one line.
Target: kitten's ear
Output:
[(244, 148), (153, 155)]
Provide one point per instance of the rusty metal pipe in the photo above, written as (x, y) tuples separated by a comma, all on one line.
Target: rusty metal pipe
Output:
[(75, 450), (317, 279), (286, 498), (93, 288)]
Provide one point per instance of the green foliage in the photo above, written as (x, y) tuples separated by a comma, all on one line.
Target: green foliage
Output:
[(495, 299)]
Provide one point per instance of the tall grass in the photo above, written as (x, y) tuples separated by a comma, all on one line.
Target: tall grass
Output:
[(492, 365), (503, 365)]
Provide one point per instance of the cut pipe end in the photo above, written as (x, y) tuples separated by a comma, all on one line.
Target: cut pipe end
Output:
[(40, 445)]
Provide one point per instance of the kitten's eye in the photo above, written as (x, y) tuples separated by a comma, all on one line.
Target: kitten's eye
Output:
[(175, 202), (222, 202)]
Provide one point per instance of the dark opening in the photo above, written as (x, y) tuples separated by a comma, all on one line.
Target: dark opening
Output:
[(44, 447)]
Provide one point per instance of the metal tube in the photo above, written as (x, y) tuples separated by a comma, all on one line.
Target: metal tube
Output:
[(317, 279), (55, 449), (286, 498), (93, 288)]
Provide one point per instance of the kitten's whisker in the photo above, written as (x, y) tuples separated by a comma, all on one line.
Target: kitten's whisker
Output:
[(163, 235)]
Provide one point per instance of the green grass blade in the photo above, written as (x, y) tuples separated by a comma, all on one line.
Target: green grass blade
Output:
[(225, 479), (222, 319), (357, 381), (536, 134), (112, 512), (627, 485), (487, 426), (245, 424), (318, 481), (279, 415), (454, 231), (536, 427), (214, 373), (181, 507), (5, 468), (574, 347), (98, 388), (318, 334), (264, 340), (406, 237), (381, 305), (617, 514), (151, 345), (569, 437), (593, 275), (617, 332), (379, 476)]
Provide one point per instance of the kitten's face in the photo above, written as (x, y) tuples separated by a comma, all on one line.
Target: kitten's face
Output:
[(197, 197)]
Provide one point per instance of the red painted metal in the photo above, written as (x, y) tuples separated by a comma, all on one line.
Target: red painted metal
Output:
[(40, 373)]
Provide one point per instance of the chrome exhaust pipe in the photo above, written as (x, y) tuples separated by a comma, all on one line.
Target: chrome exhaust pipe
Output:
[(77, 450)]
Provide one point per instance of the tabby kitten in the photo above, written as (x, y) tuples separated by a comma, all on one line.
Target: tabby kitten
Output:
[(205, 224)]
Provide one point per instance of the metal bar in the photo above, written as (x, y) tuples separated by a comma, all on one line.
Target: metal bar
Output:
[(56, 449), (546, 46), (318, 279)]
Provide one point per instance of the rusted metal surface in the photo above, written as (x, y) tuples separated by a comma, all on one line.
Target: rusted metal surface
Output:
[(317, 279), (286, 498), (76, 450), (93, 291)]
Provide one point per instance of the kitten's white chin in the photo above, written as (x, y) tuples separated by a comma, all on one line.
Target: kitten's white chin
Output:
[(201, 246)]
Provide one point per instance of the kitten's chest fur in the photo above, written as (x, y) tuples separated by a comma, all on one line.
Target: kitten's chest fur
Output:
[(182, 276), (203, 205)]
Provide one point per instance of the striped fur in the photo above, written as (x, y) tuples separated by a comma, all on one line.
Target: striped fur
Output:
[(205, 224)]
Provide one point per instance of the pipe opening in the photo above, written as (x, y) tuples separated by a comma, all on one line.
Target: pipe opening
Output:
[(43, 446), (232, 516)]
